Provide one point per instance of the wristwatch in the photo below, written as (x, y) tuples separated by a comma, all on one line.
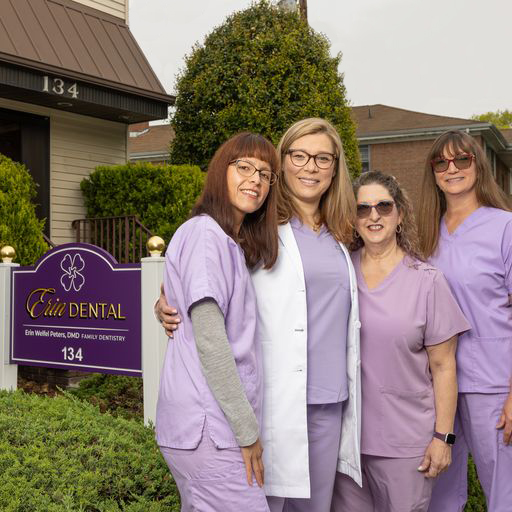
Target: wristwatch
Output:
[(448, 438)]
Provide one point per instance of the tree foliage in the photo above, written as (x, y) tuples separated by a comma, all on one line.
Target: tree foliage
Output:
[(500, 118), (19, 225), (263, 69)]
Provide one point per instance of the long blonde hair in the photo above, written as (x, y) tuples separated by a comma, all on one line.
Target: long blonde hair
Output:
[(337, 205), (432, 204)]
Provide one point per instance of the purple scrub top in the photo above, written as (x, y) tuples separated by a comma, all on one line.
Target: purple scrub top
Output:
[(328, 305), (477, 262), (202, 261), (412, 308)]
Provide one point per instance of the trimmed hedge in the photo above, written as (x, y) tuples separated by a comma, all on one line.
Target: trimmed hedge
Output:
[(61, 454), (160, 195), (19, 225)]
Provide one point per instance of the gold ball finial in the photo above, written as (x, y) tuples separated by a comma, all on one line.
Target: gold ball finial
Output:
[(156, 246), (7, 253)]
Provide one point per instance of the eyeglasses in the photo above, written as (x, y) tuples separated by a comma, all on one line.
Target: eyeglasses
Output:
[(384, 208), (247, 169), (300, 158), (462, 162)]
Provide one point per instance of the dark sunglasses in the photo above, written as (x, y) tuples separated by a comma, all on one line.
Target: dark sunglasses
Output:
[(383, 208), (462, 162)]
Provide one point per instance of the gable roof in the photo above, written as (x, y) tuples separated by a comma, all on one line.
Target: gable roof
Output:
[(380, 119), (69, 39)]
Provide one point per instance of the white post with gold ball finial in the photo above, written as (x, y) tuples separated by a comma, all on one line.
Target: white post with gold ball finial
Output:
[(154, 339), (8, 372)]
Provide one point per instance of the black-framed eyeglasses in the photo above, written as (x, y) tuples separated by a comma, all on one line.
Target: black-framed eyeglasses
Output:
[(384, 208), (462, 162), (300, 158), (247, 169)]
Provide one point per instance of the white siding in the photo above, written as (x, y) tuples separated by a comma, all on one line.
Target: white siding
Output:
[(77, 145), (117, 8)]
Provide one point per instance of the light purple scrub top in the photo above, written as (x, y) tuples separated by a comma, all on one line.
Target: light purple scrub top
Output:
[(328, 305), (477, 262), (202, 261), (409, 310)]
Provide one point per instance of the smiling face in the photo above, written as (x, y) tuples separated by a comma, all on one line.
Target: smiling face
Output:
[(377, 230), (308, 183), (246, 194), (455, 182)]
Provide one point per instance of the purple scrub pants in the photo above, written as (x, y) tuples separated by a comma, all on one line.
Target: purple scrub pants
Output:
[(324, 431), (213, 480), (389, 485), (475, 427)]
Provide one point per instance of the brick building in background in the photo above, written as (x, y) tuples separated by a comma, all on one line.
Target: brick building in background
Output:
[(390, 139), (397, 141)]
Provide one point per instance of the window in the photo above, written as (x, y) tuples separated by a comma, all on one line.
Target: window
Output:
[(365, 157), (491, 156)]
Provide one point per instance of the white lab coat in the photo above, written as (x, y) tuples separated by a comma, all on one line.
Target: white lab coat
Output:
[(282, 331)]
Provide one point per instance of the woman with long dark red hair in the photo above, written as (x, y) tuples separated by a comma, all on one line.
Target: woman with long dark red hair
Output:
[(209, 437), (465, 227)]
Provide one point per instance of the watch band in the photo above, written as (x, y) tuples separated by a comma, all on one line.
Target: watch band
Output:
[(448, 438)]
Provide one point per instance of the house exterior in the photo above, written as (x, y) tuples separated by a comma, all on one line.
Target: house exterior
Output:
[(149, 143), (72, 79), (397, 141)]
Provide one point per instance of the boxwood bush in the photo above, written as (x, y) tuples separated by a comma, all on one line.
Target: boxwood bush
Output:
[(160, 195), (61, 454), (19, 225)]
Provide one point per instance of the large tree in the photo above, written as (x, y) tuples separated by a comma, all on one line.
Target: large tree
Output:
[(261, 70), (500, 118)]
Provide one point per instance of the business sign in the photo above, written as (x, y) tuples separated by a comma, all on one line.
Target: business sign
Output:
[(77, 309)]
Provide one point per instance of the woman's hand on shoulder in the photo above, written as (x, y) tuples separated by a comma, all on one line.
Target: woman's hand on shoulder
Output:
[(437, 458), (166, 314), (252, 456)]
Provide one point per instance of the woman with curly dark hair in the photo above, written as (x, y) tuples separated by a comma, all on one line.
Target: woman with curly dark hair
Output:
[(410, 323)]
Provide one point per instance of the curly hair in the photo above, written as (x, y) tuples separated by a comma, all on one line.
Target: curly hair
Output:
[(407, 238)]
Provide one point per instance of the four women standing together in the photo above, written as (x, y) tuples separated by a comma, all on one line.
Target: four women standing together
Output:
[(307, 328)]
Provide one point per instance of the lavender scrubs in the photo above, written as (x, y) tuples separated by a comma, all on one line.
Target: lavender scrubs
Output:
[(202, 261), (477, 262), (411, 309), (328, 306)]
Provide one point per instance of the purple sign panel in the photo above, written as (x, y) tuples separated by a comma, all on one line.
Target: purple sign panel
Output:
[(77, 309)]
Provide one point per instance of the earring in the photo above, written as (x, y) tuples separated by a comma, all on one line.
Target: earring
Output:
[(399, 229), (356, 234)]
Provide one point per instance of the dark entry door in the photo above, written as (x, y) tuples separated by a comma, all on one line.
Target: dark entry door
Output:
[(26, 139)]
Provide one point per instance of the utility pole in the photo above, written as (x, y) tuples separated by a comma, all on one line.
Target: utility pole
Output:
[(303, 9)]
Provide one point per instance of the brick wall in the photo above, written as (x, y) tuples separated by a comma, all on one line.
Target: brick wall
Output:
[(405, 161)]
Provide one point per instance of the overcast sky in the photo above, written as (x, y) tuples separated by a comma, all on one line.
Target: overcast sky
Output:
[(447, 57)]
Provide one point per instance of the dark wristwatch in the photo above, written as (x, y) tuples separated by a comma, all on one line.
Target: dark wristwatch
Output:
[(447, 438)]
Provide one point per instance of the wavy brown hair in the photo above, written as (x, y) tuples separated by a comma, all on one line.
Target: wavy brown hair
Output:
[(407, 239), (258, 233), (337, 205), (432, 205)]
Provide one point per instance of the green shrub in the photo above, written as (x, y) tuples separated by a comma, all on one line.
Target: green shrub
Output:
[(61, 454), (476, 497), (261, 70), (19, 225), (161, 196), (117, 394)]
